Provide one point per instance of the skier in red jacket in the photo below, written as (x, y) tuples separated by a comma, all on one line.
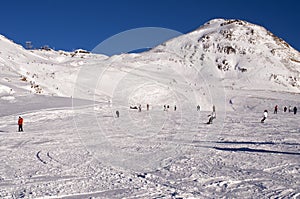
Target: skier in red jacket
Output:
[(20, 123)]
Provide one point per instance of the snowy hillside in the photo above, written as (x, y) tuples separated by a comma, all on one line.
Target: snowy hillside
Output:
[(74, 146), (237, 54)]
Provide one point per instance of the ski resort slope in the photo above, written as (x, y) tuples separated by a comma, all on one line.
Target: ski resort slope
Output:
[(74, 146)]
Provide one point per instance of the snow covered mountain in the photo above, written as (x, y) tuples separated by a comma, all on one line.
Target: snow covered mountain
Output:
[(239, 50), (237, 54)]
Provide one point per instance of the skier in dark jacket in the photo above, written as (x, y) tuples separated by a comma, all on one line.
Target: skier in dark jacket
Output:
[(295, 110), (265, 116), (212, 116), (275, 109)]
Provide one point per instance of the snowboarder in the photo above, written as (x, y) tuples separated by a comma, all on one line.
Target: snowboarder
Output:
[(118, 113), (175, 108), (295, 110), (275, 109), (285, 109), (265, 116), (148, 107), (198, 108), (20, 123)]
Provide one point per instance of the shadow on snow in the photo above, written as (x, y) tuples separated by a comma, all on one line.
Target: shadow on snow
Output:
[(245, 149)]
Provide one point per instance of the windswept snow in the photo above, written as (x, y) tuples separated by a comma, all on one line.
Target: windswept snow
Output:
[(74, 146)]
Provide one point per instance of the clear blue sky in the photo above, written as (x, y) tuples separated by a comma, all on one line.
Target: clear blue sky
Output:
[(72, 24)]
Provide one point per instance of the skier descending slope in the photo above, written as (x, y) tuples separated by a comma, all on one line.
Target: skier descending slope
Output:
[(212, 116), (265, 116)]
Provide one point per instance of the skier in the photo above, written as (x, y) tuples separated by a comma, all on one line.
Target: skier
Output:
[(285, 109), (148, 107), (295, 110), (175, 108), (118, 113), (212, 116), (214, 111), (198, 108), (265, 116), (140, 108), (275, 109), (165, 108), (20, 123), (290, 109)]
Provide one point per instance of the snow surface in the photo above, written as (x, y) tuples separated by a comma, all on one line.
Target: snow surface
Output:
[(74, 146)]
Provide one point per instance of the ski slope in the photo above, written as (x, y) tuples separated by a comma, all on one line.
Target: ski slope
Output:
[(73, 146), (182, 158)]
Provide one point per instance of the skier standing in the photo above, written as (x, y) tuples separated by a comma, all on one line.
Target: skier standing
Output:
[(265, 116), (198, 108), (285, 109), (147, 107), (295, 110), (118, 113), (175, 108), (275, 109), (20, 123)]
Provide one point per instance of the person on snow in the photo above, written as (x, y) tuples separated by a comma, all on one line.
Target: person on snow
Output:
[(20, 123), (285, 109), (290, 109), (265, 116), (212, 116), (295, 110), (198, 108), (133, 107), (175, 108), (118, 113), (148, 107), (140, 108), (275, 109), (165, 108), (214, 111)]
